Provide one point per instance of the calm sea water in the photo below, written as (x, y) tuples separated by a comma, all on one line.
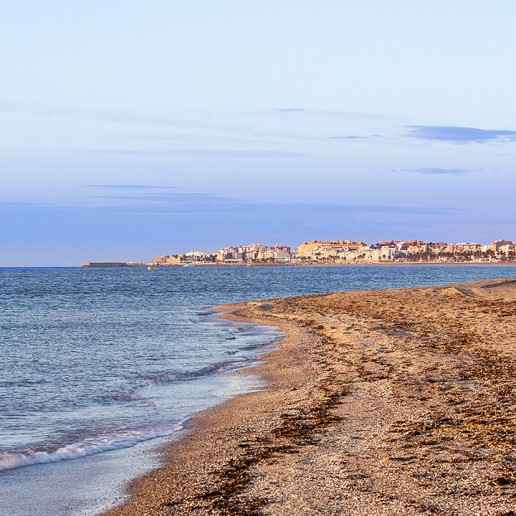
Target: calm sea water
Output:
[(99, 360)]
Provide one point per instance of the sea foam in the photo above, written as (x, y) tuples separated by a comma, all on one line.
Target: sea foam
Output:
[(89, 446)]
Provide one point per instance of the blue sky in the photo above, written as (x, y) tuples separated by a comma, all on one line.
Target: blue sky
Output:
[(130, 129)]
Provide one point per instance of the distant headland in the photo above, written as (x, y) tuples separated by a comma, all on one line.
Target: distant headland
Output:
[(114, 264)]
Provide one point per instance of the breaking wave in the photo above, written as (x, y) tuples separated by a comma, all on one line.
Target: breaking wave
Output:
[(89, 446)]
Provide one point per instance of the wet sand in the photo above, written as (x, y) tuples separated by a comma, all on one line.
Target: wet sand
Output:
[(379, 403)]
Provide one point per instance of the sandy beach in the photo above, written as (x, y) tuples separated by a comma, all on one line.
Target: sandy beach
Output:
[(378, 403)]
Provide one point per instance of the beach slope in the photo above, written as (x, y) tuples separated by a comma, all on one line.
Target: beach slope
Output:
[(378, 403)]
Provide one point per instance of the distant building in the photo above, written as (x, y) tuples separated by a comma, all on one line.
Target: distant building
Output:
[(387, 243), (463, 247), (228, 253), (497, 244), (310, 249), (279, 254), (166, 260), (251, 252)]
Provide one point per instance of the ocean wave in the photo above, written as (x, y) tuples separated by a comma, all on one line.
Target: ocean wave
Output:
[(89, 446), (119, 397), (208, 370)]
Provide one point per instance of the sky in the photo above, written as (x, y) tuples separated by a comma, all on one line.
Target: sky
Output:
[(132, 129)]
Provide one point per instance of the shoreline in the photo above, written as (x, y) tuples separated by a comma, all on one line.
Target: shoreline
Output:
[(364, 264), (378, 402)]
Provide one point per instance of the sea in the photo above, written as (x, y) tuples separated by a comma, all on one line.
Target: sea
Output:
[(101, 367)]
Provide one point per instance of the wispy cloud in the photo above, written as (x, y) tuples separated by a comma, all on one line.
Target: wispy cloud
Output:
[(335, 114), (349, 137), (20, 204), (290, 110), (201, 129), (459, 134), (201, 153), (132, 187), (437, 171), (68, 112), (172, 202)]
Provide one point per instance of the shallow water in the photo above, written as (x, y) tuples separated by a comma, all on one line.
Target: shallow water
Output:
[(97, 361)]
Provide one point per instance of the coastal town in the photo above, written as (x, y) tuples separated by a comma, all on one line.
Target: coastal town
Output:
[(342, 252)]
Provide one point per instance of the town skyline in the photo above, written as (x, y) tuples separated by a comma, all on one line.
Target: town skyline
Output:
[(348, 252)]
